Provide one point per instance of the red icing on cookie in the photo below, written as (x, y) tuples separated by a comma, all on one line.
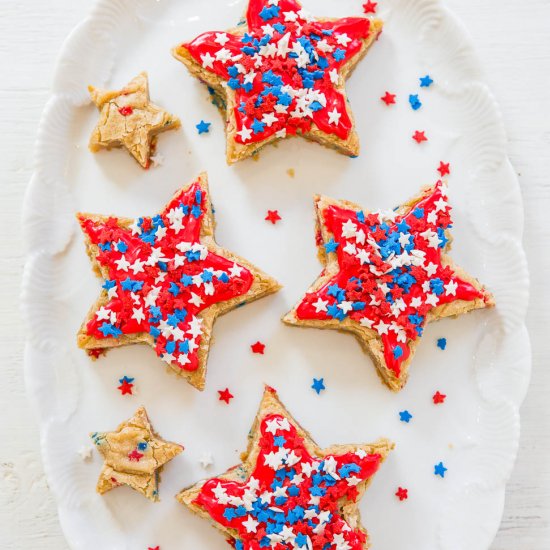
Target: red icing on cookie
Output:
[(285, 69), (391, 273), (160, 277), (290, 495)]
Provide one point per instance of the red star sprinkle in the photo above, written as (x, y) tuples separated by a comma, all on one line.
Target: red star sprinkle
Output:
[(258, 347), (419, 137), (273, 216), (388, 99), (438, 398), (370, 7), (126, 110), (225, 395), (126, 387), (402, 494), (135, 456), (444, 169), (155, 548)]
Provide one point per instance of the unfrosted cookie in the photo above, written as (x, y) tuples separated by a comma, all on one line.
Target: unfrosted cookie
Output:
[(129, 119), (282, 72), (165, 282), (288, 492), (134, 455), (386, 275)]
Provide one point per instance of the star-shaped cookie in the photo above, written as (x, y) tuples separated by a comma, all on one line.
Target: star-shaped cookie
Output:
[(288, 492), (165, 282), (134, 455), (281, 73), (386, 275), (129, 119)]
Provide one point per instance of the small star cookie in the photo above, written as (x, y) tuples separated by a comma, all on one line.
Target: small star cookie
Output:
[(288, 492), (129, 119), (134, 455)]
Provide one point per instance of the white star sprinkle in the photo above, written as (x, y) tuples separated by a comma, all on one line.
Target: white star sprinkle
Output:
[(245, 134), (450, 288), (122, 264), (207, 61), (221, 38), (320, 305), (334, 117), (206, 460)]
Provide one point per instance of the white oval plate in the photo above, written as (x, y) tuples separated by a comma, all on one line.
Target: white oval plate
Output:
[(484, 371)]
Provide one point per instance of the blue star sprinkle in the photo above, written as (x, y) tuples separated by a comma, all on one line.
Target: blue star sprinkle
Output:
[(439, 470), (442, 343), (405, 416), (331, 246), (318, 385), (415, 102), (203, 127), (426, 81)]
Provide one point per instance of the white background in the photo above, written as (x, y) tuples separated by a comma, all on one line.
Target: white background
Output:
[(514, 46)]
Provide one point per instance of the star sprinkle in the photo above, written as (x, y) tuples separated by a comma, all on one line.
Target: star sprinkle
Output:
[(206, 460), (439, 398), (203, 127), (420, 137), (370, 7), (155, 548), (442, 343), (134, 455), (426, 81), (444, 169), (289, 493), (402, 494), (225, 395), (157, 159), (388, 99), (439, 470), (318, 385), (166, 281), (415, 102), (258, 347), (282, 73), (129, 119), (385, 276), (273, 216), (85, 453), (405, 416), (126, 385)]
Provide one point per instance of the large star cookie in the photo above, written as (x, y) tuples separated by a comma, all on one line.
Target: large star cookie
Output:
[(280, 73), (129, 119), (385, 276), (134, 455), (287, 492), (165, 282)]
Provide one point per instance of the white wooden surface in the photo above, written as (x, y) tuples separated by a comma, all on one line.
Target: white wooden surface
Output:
[(513, 40)]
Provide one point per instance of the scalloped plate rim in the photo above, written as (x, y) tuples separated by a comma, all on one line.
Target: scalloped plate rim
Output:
[(31, 351)]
